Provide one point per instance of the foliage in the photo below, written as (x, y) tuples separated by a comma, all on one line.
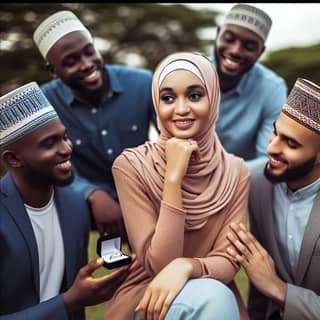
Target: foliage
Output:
[(295, 62), (144, 31)]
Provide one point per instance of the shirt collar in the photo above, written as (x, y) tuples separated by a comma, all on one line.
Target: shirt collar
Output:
[(304, 192), (115, 86)]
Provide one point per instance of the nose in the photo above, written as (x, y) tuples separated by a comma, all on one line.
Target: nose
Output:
[(274, 146), (182, 107), (86, 63), (236, 49), (66, 147)]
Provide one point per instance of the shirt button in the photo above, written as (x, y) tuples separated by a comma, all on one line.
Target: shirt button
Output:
[(94, 110), (134, 128), (104, 132), (78, 142), (290, 236), (109, 151)]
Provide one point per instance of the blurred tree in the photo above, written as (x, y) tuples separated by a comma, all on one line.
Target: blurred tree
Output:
[(295, 62), (142, 33)]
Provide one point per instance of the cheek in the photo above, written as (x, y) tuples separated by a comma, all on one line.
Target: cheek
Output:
[(165, 112)]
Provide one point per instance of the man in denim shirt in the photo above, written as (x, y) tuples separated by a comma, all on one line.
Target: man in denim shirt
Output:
[(252, 95), (105, 108)]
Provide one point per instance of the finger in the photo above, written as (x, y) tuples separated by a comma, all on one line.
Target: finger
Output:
[(240, 246), (143, 305), (88, 269), (243, 234), (158, 307), (166, 305)]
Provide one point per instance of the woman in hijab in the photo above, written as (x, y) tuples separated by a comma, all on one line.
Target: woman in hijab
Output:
[(178, 197)]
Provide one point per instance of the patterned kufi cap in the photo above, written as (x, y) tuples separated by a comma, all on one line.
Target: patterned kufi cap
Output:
[(251, 18), (303, 104), (22, 111), (54, 28)]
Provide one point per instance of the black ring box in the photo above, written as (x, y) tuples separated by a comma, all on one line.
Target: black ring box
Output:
[(109, 247)]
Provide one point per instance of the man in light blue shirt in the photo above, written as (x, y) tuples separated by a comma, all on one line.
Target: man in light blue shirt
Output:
[(284, 204), (252, 95)]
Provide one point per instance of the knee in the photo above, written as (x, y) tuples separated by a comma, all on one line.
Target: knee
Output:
[(208, 299)]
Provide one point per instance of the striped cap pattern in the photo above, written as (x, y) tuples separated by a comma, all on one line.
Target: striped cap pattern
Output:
[(22, 111), (303, 104)]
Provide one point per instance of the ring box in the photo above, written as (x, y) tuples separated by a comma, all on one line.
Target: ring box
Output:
[(109, 247)]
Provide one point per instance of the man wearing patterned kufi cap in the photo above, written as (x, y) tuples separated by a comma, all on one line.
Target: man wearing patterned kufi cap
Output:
[(284, 206), (106, 108), (44, 224), (252, 95)]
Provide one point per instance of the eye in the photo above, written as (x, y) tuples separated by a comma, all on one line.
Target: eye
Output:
[(166, 98), (228, 37), (250, 46), (48, 143), (292, 144), (69, 62), (195, 96)]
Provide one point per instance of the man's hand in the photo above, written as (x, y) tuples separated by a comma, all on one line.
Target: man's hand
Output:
[(107, 214), (257, 263), (87, 290)]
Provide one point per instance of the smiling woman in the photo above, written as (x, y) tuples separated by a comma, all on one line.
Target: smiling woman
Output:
[(184, 189)]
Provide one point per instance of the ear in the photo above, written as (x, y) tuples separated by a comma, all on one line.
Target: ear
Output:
[(50, 68), (11, 159)]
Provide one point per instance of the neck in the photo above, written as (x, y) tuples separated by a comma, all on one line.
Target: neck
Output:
[(33, 195), (305, 181)]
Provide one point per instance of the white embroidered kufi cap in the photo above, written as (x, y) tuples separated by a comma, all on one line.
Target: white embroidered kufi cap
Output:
[(251, 18), (303, 104), (22, 111), (54, 28)]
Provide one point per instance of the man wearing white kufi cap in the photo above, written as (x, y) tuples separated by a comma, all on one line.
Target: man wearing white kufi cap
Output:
[(106, 109), (44, 224), (284, 204), (252, 95)]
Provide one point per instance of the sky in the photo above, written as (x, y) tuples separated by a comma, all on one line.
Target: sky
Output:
[(293, 24)]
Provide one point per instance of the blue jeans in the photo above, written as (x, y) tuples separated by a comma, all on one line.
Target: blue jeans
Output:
[(203, 299)]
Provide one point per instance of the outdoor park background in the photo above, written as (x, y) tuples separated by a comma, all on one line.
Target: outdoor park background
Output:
[(141, 34)]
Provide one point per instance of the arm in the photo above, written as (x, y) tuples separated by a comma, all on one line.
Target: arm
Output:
[(85, 291), (218, 264), (276, 100)]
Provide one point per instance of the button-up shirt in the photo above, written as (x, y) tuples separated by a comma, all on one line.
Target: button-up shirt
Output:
[(100, 133), (291, 212)]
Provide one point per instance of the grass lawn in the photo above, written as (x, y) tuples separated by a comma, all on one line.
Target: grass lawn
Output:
[(96, 312)]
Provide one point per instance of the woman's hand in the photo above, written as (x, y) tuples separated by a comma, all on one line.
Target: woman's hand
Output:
[(178, 154), (163, 289)]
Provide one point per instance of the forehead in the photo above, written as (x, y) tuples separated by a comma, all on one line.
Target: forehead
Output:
[(180, 77), (240, 32), (292, 128), (68, 44)]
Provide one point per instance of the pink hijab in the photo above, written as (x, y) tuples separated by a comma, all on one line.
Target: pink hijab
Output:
[(209, 184)]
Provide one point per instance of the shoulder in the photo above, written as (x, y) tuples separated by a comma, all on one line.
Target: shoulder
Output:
[(267, 76), (257, 177)]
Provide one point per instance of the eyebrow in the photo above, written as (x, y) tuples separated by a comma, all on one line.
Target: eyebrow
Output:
[(189, 88), (286, 136)]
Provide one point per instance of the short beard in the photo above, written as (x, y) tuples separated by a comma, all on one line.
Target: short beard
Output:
[(62, 183), (291, 174)]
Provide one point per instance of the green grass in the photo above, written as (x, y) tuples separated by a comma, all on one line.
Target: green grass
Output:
[(96, 312)]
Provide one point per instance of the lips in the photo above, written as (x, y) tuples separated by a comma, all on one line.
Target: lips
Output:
[(231, 64), (183, 124), (276, 164), (64, 166), (92, 77)]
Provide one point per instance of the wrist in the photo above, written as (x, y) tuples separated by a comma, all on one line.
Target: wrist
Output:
[(69, 302), (278, 292)]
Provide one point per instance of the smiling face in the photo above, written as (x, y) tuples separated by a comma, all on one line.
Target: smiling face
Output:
[(294, 154), (74, 59), (236, 50), (43, 155), (184, 104)]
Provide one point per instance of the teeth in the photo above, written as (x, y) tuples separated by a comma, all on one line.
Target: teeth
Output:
[(230, 62), (183, 121), (64, 165), (92, 75)]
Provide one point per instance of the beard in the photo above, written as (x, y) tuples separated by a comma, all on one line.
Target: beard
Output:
[(291, 174)]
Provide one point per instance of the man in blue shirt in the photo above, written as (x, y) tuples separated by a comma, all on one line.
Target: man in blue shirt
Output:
[(284, 204), (105, 108), (252, 95)]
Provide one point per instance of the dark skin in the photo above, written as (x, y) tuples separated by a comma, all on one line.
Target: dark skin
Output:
[(236, 50), (74, 59), (37, 162)]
